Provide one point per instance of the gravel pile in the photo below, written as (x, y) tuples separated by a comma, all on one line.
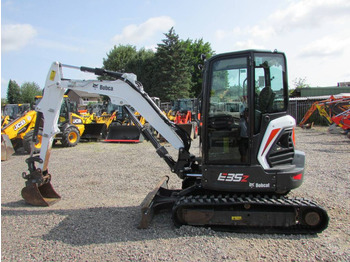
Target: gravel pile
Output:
[(102, 186)]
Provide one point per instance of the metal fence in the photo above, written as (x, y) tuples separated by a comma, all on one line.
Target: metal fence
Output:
[(298, 108)]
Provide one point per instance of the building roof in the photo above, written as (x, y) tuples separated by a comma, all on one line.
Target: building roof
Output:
[(318, 97), (83, 94), (322, 91)]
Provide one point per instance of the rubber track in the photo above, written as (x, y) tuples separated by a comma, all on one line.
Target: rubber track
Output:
[(275, 202)]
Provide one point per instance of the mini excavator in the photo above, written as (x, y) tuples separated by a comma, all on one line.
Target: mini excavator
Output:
[(248, 161)]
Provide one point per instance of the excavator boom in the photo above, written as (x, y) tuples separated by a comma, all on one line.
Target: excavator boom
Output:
[(123, 91)]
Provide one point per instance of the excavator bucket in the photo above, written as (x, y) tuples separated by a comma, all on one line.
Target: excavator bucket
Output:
[(122, 133), (6, 147), (93, 131), (43, 195)]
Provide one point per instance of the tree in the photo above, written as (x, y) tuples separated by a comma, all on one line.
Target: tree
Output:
[(13, 93), (143, 65), (194, 50), (300, 83), (127, 58), (119, 58), (173, 70), (28, 92)]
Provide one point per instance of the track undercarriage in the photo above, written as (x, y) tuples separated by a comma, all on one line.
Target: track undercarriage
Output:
[(235, 212)]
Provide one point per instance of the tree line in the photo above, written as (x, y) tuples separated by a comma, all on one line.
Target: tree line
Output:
[(170, 72), (22, 94)]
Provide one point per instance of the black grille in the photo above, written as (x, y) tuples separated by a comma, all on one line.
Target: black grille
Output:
[(282, 151)]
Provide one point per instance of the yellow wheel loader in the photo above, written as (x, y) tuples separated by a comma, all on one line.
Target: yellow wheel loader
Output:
[(123, 130), (246, 166), (97, 120)]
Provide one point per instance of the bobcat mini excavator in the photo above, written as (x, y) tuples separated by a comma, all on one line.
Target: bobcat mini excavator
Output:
[(248, 163)]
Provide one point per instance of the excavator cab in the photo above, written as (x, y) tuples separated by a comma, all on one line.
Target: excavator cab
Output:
[(247, 135)]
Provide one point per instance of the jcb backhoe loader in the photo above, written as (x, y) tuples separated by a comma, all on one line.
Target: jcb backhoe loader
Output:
[(19, 132), (10, 112), (247, 164)]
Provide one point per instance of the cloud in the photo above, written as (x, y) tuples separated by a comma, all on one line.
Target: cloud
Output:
[(298, 15), (248, 44), (16, 36), (255, 31), (325, 47), (309, 13), (137, 34)]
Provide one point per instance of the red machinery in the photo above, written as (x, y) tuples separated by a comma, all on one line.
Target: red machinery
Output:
[(330, 109)]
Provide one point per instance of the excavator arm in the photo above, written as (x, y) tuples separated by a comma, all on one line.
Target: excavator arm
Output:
[(125, 90)]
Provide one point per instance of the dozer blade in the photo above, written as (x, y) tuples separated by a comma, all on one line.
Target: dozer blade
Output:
[(158, 199), (93, 131), (6, 147), (124, 134), (43, 195)]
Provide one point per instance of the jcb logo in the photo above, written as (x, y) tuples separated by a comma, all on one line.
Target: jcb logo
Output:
[(19, 124), (233, 177), (77, 121)]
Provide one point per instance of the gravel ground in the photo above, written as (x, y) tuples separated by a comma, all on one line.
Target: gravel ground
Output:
[(102, 186)]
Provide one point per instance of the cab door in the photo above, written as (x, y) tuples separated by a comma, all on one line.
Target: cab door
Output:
[(226, 120)]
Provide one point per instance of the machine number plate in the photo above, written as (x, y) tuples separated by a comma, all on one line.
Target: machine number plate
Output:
[(233, 177)]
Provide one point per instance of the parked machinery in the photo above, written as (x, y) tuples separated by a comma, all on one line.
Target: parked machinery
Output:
[(220, 189), (19, 132), (183, 113), (10, 112), (97, 119), (328, 108), (123, 130)]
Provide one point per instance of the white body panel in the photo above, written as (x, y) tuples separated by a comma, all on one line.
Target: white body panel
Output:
[(273, 130)]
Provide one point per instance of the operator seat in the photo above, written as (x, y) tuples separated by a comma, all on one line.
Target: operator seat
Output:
[(266, 98)]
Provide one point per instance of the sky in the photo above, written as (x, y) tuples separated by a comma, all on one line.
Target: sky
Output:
[(314, 34)]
